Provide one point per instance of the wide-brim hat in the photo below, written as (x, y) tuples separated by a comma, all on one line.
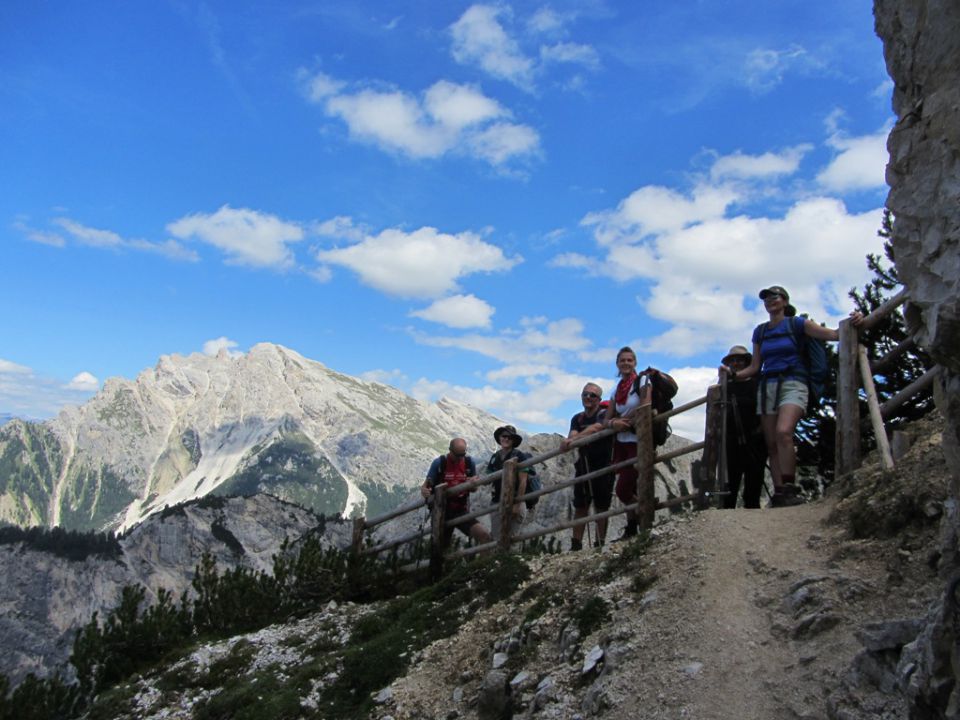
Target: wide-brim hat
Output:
[(510, 431), (737, 351)]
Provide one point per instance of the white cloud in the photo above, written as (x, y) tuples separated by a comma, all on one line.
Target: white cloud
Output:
[(99, 238), (479, 38), (860, 163), (448, 118), (534, 403), (692, 383), (225, 344), (88, 235), (425, 263), (11, 368), (568, 52), (702, 265), (42, 237), (247, 237), (84, 381), (768, 164), (764, 68), (393, 377), (23, 393), (501, 141), (654, 209), (458, 311), (546, 21)]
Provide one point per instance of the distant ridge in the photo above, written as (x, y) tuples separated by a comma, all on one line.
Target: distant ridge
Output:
[(269, 420)]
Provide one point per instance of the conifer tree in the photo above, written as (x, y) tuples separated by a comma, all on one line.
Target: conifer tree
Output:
[(817, 431)]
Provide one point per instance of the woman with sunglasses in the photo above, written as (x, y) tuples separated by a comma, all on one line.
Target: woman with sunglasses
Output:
[(620, 416), (783, 393)]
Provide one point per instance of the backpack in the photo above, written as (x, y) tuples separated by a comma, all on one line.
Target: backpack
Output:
[(664, 390), (533, 480), (813, 355), (471, 469)]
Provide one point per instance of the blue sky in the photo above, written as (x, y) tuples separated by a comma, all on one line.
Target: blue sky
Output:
[(478, 200)]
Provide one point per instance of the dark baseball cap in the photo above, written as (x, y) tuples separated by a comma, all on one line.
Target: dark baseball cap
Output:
[(774, 290)]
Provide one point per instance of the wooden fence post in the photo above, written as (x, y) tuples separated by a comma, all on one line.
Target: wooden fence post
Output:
[(438, 517), (508, 484), (722, 454), (356, 543), (711, 451), (879, 431), (646, 457), (847, 456)]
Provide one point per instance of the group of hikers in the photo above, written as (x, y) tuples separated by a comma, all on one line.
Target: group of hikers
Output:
[(768, 392)]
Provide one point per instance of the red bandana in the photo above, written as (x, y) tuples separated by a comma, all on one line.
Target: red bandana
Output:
[(623, 389)]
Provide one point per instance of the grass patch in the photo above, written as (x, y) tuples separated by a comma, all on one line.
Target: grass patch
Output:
[(593, 614), (258, 697), (113, 702), (384, 641), (232, 665), (641, 583)]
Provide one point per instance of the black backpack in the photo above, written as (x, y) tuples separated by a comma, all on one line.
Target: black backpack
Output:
[(664, 390)]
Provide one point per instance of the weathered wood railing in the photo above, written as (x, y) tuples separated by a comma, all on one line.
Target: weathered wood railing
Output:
[(645, 504), (856, 369)]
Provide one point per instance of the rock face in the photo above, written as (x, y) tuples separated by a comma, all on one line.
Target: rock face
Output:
[(46, 597), (268, 421), (922, 50)]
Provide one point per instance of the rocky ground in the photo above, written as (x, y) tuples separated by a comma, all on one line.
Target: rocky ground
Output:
[(796, 612), (789, 613)]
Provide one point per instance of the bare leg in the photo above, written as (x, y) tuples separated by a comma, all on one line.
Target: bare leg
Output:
[(602, 530), (578, 529), (769, 425), (479, 533), (787, 418)]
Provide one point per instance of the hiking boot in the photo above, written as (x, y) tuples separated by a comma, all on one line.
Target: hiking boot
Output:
[(785, 500), (575, 544), (598, 543), (790, 489), (629, 532)]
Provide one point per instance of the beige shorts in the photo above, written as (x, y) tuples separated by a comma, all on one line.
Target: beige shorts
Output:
[(792, 392)]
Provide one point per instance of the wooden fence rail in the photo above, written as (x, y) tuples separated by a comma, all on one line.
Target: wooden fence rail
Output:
[(855, 368), (645, 504)]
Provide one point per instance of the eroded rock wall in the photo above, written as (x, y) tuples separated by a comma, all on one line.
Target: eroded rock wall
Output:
[(921, 41)]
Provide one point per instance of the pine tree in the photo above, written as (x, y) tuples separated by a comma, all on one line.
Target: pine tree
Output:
[(817, 431)]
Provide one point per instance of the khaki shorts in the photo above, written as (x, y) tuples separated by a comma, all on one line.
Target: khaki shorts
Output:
[(792, 392)]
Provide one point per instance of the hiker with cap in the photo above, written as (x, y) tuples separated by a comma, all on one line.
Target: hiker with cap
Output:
[(509, 440), (592, 457), (783, 389), (745, 446), (455, 468)]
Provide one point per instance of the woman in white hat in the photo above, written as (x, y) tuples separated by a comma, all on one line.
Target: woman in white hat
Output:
[(746, 448)]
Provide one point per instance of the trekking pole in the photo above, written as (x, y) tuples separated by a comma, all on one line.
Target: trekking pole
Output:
[(724, 479)]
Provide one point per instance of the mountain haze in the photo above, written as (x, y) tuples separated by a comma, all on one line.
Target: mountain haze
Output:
[(269, 421)]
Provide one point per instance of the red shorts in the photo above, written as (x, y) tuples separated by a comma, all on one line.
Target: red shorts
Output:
[(626, 477)]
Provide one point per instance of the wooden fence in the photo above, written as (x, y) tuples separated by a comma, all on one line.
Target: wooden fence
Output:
[(856, 369), (645, 504)]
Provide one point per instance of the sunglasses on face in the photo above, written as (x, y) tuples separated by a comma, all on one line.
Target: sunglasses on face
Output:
[(589, 395)]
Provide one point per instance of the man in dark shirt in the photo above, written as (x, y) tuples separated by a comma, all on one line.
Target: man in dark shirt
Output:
[(595, 456)]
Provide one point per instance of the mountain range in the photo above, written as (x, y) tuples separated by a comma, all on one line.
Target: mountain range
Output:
[(269, 420)]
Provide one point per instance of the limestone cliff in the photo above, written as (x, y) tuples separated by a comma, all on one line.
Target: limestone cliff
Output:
[(922, 50)]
